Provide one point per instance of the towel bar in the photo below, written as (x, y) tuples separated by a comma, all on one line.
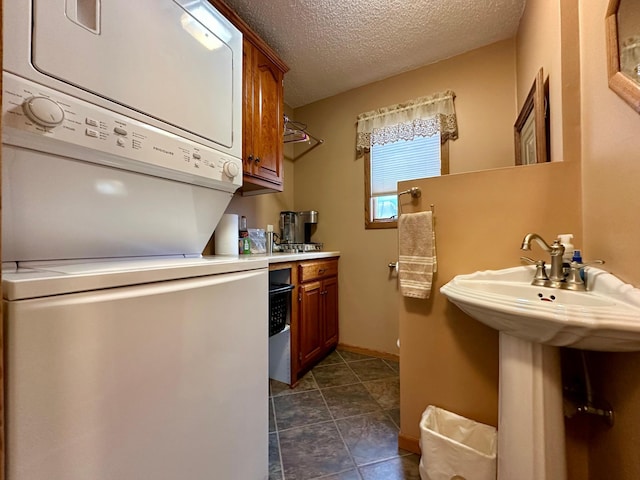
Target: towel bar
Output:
[(414, 191)]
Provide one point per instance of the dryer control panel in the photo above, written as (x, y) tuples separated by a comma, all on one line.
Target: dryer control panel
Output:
[(39, 118)]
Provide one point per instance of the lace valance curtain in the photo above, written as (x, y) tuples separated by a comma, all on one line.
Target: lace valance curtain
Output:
[(422, 117)]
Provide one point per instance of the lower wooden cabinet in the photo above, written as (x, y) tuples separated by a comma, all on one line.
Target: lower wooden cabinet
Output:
[(317, 311), (330, 313), (313, 317)]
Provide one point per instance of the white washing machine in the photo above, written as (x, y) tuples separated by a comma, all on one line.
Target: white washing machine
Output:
[(153, 368)]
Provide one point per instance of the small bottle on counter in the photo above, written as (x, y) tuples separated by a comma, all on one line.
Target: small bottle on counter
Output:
[(577, 257), (244, 244)]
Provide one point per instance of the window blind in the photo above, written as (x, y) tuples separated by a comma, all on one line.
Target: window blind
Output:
[(403, 160)]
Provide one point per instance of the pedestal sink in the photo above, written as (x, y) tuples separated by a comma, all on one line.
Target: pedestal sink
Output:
[(533, 321), (606, 317)]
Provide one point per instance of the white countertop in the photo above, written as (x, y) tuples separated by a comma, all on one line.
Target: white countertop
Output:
[(52, 278), (280, 257), (40, 279)]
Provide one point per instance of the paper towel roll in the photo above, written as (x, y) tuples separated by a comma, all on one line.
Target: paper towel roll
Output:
[(226, 235)]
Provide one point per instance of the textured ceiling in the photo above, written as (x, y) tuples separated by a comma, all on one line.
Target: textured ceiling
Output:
[(332, 46)]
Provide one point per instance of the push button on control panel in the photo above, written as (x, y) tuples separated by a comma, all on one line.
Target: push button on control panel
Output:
[(120, 131), (197, 156), (91, 121), (90, 132)]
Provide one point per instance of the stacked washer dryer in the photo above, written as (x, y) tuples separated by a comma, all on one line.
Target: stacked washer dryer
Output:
[(128, 355)]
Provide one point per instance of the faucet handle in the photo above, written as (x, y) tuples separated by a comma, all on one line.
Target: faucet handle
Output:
[(531, 260), (540, 278), (574, 278)]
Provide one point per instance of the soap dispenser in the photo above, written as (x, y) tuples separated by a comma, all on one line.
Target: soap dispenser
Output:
[(565, 240)]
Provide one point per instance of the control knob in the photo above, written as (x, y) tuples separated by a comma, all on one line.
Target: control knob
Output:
[(43, 111), (230, 169)]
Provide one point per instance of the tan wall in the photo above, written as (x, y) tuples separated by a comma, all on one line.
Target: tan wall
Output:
[(537, 44), (570, 64), (447, 358), (545, 27), (331, 180), (611, 176)]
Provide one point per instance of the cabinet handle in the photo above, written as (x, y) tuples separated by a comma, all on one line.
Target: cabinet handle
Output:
[(321, 271), (257, 159), (250, 158)]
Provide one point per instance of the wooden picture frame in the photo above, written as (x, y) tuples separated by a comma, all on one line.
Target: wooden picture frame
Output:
[(625, 87), (530, 129)]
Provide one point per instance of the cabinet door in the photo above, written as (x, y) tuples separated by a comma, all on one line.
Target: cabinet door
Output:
[(330, 312), (310, 326), (268, 123)]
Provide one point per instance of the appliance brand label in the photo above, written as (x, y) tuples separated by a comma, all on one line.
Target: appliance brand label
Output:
[(162, 150)]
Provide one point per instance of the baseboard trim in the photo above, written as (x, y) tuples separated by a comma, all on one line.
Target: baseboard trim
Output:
[(408, 443), (369, 352)]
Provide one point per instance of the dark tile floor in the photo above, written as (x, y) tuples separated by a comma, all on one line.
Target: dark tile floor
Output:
[(341, 422)]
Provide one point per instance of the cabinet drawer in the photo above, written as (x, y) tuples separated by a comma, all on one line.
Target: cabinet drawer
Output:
[(308, 271)]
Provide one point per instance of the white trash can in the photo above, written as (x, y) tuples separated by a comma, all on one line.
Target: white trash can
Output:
[(455, 447)]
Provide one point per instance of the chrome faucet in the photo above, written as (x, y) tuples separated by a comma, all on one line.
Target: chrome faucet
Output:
[(569, 277), (556, 250)]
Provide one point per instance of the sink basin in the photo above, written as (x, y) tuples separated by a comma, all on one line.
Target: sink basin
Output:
[(605, 318)]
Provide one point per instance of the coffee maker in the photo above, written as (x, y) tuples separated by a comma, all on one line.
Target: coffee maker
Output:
[(296, 229), (288, 227)]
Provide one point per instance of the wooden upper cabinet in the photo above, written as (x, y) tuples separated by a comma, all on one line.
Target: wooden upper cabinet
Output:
[(262, 101), (263, 122)]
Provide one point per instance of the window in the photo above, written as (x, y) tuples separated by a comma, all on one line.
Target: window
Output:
[(391, 163), (403, 142)]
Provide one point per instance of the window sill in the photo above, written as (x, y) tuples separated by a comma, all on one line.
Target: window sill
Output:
[(376, 224)]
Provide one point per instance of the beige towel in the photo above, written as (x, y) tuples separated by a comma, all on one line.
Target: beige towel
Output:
[(417, 254)]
